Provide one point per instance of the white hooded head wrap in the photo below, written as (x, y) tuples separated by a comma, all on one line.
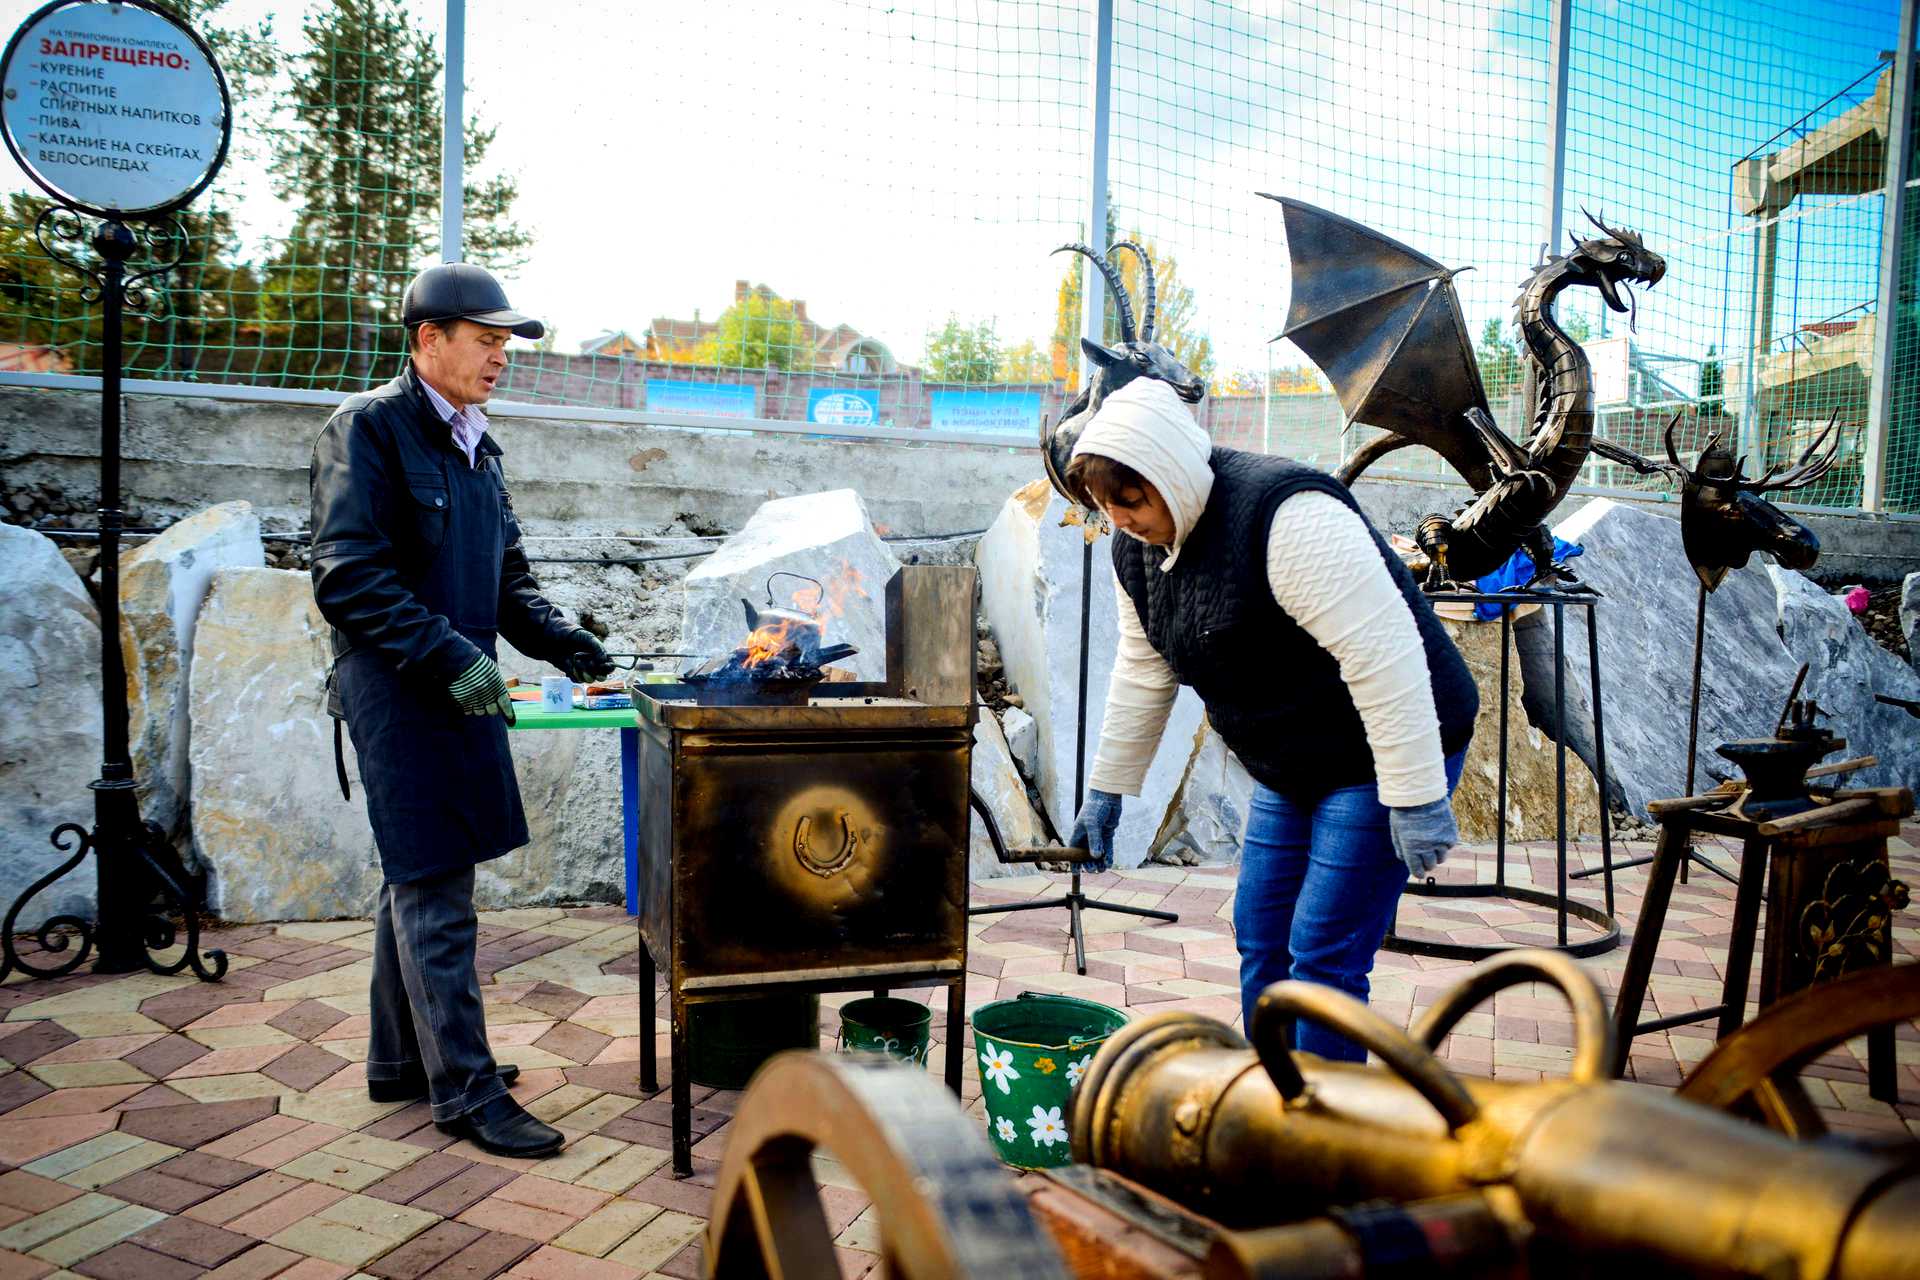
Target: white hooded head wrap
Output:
[(1146, 425)]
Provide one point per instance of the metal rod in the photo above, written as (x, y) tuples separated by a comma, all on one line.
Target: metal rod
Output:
[(1600, 754), (1678, 1019), (1553, 206), (1873, 481), (1560, 765), (1693, 707), (453, 135), (1500, 816), (1093, 294)]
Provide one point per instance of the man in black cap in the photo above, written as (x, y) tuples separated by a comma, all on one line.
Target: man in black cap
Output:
[(417, 564)]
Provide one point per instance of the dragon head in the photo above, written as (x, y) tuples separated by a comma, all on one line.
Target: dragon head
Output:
[(1611, 259), (1136, 356)]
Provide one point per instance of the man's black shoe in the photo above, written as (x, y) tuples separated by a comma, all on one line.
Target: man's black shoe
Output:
[(412, 1087), (504, 1128)]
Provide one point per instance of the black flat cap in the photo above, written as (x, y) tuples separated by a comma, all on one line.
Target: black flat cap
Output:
[(462, 291)]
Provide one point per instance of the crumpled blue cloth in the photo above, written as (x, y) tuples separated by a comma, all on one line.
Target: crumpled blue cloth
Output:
[(1517, 572)]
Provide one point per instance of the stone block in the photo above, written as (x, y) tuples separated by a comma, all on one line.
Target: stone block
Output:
[(1846, 668), (1207, 821), (827, 536), (1030, 580), (1531, 768), (50, 742), (268, 821), (1910, 617), (162, 586), (1023, 740), (998, 783)]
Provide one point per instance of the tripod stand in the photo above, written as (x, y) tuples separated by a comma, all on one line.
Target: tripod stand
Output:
[(1075, 899)]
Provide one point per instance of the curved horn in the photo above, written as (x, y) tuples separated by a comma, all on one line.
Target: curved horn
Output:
[(1146, 268), (1114, 286), (1673, 455), (1605, 230)]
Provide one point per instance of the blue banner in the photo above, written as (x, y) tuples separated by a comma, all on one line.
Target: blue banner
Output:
[(997, 413), (843, 408), (714, 399)]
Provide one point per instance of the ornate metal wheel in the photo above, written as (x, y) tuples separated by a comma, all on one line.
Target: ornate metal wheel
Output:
[(946, 1207), (1757, 1069)]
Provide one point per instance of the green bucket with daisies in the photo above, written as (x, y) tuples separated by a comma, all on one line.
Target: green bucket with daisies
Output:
[(1033, 1050)]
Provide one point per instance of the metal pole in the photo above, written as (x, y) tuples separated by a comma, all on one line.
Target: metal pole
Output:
[(116, 812), (1093, 293), (1873, 486), (1560, 42), (453, 136)]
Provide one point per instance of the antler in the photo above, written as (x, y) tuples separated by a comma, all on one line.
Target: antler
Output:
[(1114, 286), (1146, 267), (1622, 234), (1807, 468)]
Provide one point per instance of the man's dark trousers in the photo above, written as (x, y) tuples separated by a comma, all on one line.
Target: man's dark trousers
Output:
[(426, 1012)]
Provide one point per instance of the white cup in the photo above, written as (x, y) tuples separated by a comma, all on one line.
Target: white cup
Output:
[(556, 693)]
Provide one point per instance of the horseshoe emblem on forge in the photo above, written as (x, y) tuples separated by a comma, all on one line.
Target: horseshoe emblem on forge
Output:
[(811, 859)]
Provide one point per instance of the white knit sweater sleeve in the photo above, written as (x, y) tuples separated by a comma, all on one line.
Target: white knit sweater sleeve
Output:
[(1139, 698), (1326, 573)]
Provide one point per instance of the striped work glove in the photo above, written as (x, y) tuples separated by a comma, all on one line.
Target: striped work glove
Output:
[(482, 691)]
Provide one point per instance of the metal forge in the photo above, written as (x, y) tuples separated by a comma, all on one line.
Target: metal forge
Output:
[(819, 845)]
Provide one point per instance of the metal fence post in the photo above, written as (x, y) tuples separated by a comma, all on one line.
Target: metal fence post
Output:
[(453, 135), (1559, 45), (1873, 478), (1093, 292)]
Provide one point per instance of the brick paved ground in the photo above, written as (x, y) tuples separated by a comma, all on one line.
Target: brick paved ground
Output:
[(157, 1127)]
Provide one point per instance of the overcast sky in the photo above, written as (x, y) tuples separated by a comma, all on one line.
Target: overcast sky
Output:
[(894, 163)]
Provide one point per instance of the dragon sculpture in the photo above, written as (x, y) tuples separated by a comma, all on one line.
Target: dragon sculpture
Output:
[(1382, 321), (1137, 356)]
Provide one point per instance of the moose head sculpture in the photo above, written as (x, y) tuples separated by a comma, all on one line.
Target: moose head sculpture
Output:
[(1137, 356), (1724, 518)]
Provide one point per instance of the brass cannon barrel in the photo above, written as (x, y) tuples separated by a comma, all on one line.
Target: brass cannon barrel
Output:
[(1258, 1137)]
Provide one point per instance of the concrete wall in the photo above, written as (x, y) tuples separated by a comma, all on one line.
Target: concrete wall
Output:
[(182, 454)]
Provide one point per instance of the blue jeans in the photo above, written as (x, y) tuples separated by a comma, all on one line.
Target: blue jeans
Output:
[(1319, 882), (425, 996)]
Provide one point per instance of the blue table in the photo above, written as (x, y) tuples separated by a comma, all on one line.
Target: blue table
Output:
[(528, 716)]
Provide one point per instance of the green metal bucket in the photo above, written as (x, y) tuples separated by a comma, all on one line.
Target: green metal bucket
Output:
[(883, 1024), (727, 1040), (1033, 1050)]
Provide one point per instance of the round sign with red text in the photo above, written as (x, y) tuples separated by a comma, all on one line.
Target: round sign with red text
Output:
[(113, 106)]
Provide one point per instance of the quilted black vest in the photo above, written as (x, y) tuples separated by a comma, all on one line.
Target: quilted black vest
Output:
[(1272, 693)]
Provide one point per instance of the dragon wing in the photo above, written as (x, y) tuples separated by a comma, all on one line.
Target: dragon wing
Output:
[(1383, 323)]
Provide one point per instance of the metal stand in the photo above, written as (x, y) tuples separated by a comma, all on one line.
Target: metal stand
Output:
[(1075, 900), (133, 861), (1693, 854), (1563, 907)]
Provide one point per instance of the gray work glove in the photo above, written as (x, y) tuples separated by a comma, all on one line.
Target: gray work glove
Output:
[(481, 690), (585, 660), (1422, 835), (1093, 829)]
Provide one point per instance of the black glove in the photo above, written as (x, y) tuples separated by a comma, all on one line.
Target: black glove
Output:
[(586, 660), (482, 691)]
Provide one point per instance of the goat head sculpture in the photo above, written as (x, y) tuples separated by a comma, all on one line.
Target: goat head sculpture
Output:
[(1137, 356), (1724, 518)]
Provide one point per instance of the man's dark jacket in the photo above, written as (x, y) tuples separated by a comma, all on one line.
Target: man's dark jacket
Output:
[(418, 566), (1271, 692)]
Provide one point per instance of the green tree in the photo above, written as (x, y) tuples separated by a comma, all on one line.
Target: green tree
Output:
[(361, 165), (1713, 381), (1026, 362), (1499, 360), (959, 352), (760, 331)]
